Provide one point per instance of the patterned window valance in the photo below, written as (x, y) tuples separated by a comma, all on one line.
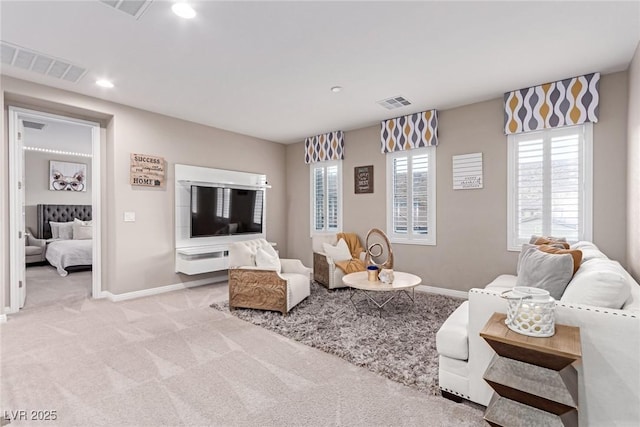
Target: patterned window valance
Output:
[(409, 132), (562, 103), (328, 146)]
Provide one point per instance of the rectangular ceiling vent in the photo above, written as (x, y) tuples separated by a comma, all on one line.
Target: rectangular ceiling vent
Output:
[(394, 102), (133, 8), (30, 60), (33, 125)]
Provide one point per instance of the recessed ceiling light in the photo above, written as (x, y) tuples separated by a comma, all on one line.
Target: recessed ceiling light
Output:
[(336, 89), (104, 83), (183, 10)]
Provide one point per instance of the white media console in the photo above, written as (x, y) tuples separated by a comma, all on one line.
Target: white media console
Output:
[(207, 254)]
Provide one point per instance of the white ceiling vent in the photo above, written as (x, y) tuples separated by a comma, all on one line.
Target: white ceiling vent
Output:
[(133, 8), (394, 102), (40, 63), (33, 125)]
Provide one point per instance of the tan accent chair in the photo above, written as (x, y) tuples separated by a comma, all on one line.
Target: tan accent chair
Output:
[(265, 288), (325, 271), (34, 249)]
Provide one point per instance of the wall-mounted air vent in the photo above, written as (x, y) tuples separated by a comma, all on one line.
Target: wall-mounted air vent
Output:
[(40, 63), (33, 125), (394, 102), (133, 8)]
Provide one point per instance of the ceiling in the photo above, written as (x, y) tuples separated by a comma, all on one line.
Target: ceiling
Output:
[(265, 69), (60, 136)]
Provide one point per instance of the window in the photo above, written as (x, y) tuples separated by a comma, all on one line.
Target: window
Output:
[(550, 176), (411, 196), (326, 196)]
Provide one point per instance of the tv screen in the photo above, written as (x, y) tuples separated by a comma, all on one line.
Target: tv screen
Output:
[(219, 211)]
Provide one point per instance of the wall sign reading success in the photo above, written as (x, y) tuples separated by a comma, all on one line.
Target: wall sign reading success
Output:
[(363, 179), (147, 171)]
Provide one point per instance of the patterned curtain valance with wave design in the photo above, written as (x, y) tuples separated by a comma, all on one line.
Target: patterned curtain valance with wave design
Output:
[(409, 132), (562, 103), (328, 146)]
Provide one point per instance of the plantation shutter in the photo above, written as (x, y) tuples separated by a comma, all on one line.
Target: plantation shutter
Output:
[(550, 186), (420, 193), (411, 181), (400, 195), (332, 197), (319, 197)]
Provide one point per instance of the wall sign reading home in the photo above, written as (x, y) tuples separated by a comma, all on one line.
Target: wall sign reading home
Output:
[(147, 171), (363, 179), (65, 176)]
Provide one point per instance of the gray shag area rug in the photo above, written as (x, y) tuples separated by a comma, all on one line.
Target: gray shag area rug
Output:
[(400, 344)]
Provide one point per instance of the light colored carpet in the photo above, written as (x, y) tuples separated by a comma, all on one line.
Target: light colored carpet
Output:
[(398, 342), (171, 360), (45, 286)]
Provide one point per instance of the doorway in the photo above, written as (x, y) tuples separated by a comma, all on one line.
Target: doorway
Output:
[(22, 221)]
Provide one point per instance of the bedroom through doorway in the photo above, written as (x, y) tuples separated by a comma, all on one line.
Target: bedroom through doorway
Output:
[(55, 227)]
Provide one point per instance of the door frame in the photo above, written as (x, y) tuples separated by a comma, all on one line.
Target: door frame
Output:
[(16, 241)]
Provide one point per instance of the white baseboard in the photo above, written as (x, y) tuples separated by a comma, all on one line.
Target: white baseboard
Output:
[(443, 291), (161, 289), (7, 310)]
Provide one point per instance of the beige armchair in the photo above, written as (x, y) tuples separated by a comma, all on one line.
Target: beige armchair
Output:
[(325, 271), (259, 279), (34, 249)]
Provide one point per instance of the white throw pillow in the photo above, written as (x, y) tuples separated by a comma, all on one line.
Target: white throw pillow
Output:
[(598, 282), (339, 252), (61, 230), (589, 250), (267, 261), (241, 255), (82, 230)]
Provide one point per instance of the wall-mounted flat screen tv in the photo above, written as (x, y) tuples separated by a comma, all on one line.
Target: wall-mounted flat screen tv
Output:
[(220, 211)]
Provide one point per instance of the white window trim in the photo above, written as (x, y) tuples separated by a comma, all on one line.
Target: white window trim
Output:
[(410, 238), (513, 242), (312, 193)]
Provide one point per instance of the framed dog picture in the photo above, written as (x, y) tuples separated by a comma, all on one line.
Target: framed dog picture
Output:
[(65, 176)]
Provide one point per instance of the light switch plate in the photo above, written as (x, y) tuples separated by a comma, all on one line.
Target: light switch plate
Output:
[(129, 217)]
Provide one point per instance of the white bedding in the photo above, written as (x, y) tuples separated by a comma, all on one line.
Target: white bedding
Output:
[(66, 253)]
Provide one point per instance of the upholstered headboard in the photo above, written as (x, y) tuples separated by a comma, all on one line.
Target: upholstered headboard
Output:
[(60, 213)]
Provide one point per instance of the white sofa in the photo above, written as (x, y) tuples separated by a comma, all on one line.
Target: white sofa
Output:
[(609, 372)]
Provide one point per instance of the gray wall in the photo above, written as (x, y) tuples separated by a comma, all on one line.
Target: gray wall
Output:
[(471, 224), (633, 158), (36, 184), (140, 255)]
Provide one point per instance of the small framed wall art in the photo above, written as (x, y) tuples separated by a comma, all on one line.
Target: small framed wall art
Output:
[(65, 176), (363, 179)]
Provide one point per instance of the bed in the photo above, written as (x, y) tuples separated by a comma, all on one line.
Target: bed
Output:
[(64, 252)]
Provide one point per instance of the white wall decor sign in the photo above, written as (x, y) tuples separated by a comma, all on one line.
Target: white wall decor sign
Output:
[(65, 176), (467, 171)]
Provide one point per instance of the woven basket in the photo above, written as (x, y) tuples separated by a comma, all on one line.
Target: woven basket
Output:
[(530, 311)]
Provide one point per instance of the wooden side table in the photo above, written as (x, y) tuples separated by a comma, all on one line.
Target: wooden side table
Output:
[(534, 379)]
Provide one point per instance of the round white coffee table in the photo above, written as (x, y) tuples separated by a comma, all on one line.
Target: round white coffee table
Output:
[(402, 283)]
